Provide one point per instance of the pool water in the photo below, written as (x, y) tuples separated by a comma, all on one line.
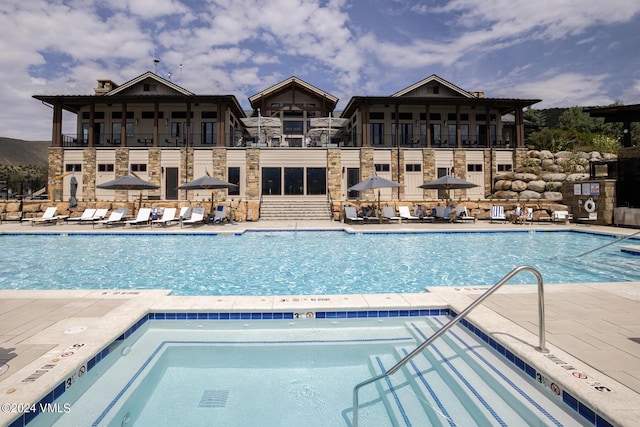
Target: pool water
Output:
[(275, 373), (306, 263)]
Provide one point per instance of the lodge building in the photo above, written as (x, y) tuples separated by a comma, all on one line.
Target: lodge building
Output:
[(291, 144)]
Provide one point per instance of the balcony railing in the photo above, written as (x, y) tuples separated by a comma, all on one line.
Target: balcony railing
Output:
[(145, 140)]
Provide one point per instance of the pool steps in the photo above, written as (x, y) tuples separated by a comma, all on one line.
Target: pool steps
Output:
[(441, 387)]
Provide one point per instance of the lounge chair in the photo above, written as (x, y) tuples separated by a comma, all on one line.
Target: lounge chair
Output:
[(562, 216), (404, 213), (462, 214), (168, 216), (86, 215), (439, 212), (367, 217), (421, 214), (497, 213), (351, 215), (220, 215), (114, 219), (48, 217), (99, 215), (389, 214), (528, 219), (185, 213), (143, 218), (197, 217)]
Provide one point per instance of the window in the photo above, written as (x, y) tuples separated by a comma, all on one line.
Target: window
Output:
[(149, 87), (382, 167), (275, 104), (208, 132), (146, 115), (435, 116), (413, 167), (291, 127), (474, 167), (505, 168), (73, 167), (402, 116), (271, 181), (377, 133), (234, 178), (316, 181), (436, 89), (293, 181), (464, 117), (175, 129), (376, 116), (138, 167), (406, 133), (105, 167)]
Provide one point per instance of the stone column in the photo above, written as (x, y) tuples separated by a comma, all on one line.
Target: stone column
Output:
[(367, 168), (122, 169), (154, 169), (334, 174), (429, 169), (219, 158), (56, 168), (253, 174), (89, 174)]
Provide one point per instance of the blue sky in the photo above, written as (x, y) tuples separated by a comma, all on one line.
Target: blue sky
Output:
[(565, 52)]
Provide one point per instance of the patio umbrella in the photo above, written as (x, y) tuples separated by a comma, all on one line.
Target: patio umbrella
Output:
[(207, 183), (375, 182), (447, 183), (128, 182), (73, 188)]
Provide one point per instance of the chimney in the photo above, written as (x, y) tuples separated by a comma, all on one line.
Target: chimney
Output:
[(104, 86)]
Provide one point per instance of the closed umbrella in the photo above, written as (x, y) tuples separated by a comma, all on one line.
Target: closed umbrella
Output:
[(128, 182), (73, 188), (447, 183), (207, 182), (375, 182)]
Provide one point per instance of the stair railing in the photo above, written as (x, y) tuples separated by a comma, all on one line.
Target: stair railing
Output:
[(541, 320)]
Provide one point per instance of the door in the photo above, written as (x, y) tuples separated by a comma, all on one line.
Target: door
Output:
[(171, 183), (475, 175), (353, 177)]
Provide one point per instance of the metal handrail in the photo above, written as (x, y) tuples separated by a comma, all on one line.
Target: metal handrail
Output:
[(459, 317), (330, 203), (609, 244)]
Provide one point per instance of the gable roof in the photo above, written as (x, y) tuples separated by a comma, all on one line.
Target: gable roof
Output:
[(148, 75), (293, 81), (430, 79)]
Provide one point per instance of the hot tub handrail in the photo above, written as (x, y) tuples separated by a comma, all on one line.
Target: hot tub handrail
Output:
[(609, 244), (542, 340)]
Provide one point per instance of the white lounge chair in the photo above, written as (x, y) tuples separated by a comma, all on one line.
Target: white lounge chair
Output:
[(404, 213), (497, 213), (529, 217), (423, 215), (143, 218), (86, 215), (351, 215), (114, 219), (439, 212), (185, 213), (562, 216), (99, 215), (197, 217), (168, 216), (48, 217), (388, 213), (462, 214)]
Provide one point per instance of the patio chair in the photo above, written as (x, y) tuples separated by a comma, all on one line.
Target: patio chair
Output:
[(404, 213), (143, 218), (197, 217), (99, 215), (220, 216), (497, 213), (562, 217), (462, 214), (168, 216), (351, 215), (185, 213), (114, 219), (87, 214), (48, 217), (528, 219), (439, 212), (389, 214)]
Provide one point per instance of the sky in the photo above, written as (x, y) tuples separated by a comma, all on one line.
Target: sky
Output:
[(564, 52)]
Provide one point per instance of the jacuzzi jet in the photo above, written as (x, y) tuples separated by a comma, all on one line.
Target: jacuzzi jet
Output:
[(126, 350)]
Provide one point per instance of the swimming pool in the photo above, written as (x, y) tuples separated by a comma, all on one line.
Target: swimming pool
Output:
[(301, 372), (305, 263)]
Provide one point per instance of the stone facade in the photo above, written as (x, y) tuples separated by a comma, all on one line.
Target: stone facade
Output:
[(89, 174)]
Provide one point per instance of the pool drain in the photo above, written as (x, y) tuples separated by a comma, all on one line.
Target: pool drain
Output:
[(214, 399)]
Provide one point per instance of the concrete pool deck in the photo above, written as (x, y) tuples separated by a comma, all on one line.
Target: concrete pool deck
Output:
[(592, 330)]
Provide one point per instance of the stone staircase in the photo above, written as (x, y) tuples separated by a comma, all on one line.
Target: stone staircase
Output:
[(294, 209)]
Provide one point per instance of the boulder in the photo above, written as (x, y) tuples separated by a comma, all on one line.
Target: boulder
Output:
[(552, 195), (525, 176), (577, 177), (554, 168), (502, 184), (533, 154), (553, 185), (545, 155), (537, 185), (518, 185), (609, 156), (564, 154), (505, 195), (504, 175), (554, 177), (595, 155), (528, 195)]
